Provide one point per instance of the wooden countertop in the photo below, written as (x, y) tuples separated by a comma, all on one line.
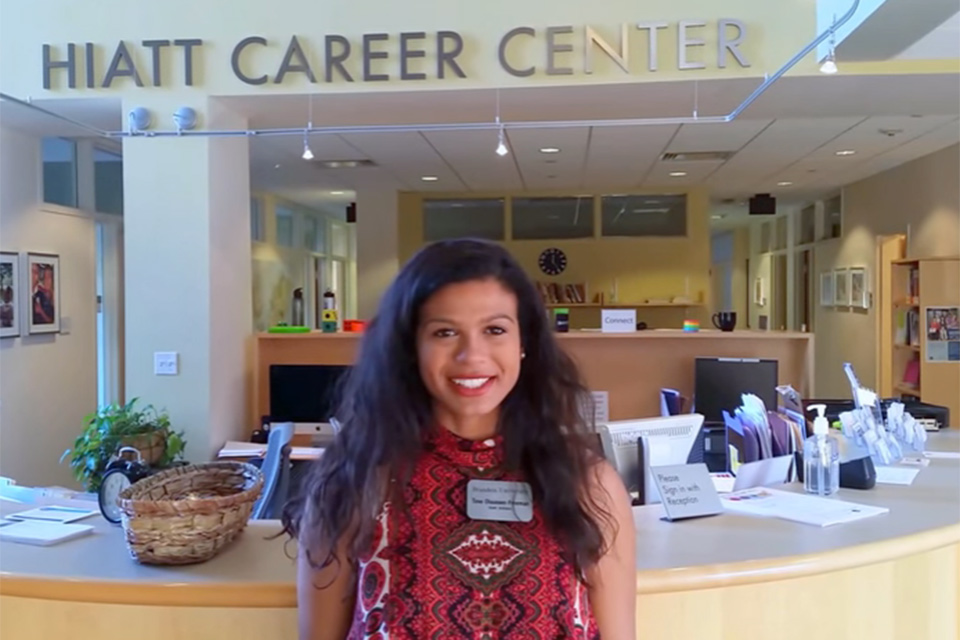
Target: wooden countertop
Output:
[(724, 550)]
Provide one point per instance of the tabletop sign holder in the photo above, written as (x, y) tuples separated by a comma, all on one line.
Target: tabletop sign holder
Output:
[(686, 491)]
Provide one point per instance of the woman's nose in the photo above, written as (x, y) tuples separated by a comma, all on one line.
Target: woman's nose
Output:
[(471, 348)]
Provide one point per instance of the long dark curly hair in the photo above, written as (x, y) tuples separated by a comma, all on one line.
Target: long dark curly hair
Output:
[(385, 413)]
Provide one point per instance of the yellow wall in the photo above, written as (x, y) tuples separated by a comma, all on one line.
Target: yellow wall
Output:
[(642, 267), (922, 195), (776, 31)]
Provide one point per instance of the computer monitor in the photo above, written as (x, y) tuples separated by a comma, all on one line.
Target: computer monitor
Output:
[(304, 394), (719, 384), (667, 441)]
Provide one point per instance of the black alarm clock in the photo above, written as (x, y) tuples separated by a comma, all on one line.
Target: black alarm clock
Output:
[(553, 261), (119, 474)]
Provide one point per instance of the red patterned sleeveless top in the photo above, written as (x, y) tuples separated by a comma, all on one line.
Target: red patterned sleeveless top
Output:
[(439, 575)]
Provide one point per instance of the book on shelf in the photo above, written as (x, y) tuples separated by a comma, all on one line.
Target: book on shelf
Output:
[(911, 374), (907, 328), (556, 293)]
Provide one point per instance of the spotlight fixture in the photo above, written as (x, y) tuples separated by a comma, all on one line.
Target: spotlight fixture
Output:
[(307, 153), (429, 178), (140, 119), (677, 174), (185, 118), (829, 65), (845, 152), (502, 146), (549, 150)]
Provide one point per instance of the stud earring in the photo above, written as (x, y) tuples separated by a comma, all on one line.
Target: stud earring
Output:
[(523, 354)]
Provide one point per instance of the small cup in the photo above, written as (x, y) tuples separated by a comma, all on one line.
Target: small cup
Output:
[(725, 320)]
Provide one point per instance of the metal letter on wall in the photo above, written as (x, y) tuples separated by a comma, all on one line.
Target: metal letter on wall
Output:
[(553, 48), (725, 44), (684, 41), (652, 49), (502, 52), (593, 38)]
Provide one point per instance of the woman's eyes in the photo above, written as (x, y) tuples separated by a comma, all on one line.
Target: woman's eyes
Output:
[(448, 333)]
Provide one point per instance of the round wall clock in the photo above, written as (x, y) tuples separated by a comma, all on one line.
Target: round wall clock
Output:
[(553, 261)]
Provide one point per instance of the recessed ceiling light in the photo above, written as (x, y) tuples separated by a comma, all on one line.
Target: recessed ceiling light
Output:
[(429, 178), (785, 183), (677, 174), (346, 164), (336, 193), (276, 166), (716, 217), (549, 150), (846, 152)]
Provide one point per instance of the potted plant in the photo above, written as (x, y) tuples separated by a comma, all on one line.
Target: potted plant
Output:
[(123, 425)]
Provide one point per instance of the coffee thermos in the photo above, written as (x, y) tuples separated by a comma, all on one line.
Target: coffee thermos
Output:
[(298, 319)]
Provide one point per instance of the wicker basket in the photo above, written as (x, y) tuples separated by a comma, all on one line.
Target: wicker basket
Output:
[(151, 446), (188, 514)]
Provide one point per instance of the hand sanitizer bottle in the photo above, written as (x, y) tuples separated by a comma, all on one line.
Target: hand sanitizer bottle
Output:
[(821, 457)]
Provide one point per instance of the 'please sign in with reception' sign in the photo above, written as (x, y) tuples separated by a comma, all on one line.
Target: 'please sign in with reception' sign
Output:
[(618, 320)]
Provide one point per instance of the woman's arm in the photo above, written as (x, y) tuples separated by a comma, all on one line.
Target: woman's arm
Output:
[(613, 580), (325, 597)]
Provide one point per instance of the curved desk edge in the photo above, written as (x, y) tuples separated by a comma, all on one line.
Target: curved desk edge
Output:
[(284, 595), (785, 568), (252, 595)]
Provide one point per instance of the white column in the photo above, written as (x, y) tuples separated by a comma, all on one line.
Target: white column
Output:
[(187, 275), (377, 255)]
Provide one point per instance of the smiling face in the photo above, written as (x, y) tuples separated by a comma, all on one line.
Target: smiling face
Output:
[(468, 349)]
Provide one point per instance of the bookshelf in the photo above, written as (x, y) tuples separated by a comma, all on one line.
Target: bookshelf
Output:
[(923, 303)]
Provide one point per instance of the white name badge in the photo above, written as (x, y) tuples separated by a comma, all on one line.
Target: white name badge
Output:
[(499, 500)]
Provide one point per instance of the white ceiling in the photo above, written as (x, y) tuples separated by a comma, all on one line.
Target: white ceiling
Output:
[(791, 133)]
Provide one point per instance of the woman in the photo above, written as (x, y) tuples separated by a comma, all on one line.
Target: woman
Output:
[(417, 522)]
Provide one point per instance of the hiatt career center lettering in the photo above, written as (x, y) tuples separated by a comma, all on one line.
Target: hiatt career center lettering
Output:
[(409, 56)]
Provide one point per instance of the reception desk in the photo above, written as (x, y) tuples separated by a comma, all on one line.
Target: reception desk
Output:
[(630, 367), (728, 577)]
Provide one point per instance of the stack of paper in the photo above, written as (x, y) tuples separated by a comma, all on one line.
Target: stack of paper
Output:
[(798, 507), (54, 513), (236, 449), (41, 533)]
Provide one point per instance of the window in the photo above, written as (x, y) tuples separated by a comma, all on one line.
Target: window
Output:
[(481, 218), (833, 218), (551, 218), (108, 181), (257, 226), (807, 225), (633, 216), (339, 240), (59, 171), (781, 223), (313, 235), (284, 227)]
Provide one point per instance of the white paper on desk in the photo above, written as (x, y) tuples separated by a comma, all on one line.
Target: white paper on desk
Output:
[(896, 475), (306, 452), (944, 455), (798, 507), (42, 534), (236, 449), (54, 513)]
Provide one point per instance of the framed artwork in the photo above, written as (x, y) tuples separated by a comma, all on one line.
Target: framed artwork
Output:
[(826, 289), (841, 288), (859, 296), (10, 285), (43, 296)]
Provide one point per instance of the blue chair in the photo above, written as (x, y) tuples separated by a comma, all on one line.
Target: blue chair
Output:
[(276, 473)]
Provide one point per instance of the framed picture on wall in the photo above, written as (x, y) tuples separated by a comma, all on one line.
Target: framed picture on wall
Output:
[(10, 285), (43, 296), (859, 296), (841, 288), (826, 289)]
